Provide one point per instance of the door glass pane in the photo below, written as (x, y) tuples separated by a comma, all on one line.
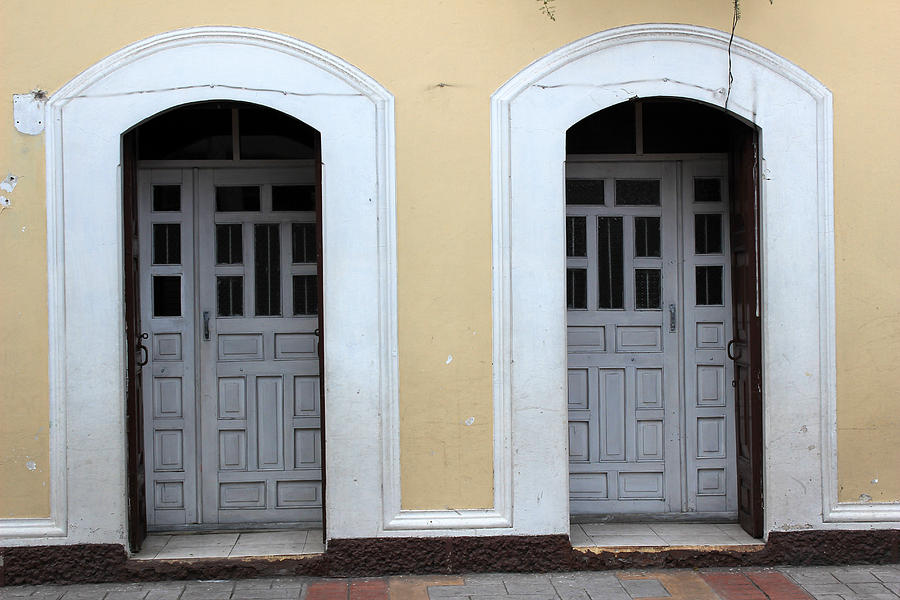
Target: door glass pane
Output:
[(166, 198), (229, 244), (707, 189), (647, 288), (230, 296), (646, 237), (609, 270), (637, 192), (584, 191), (303, 243), (166, 296), (166, 244), (298, 198), (576, 288), (708, 234), (576, 236), (235, 198), (709, 285), (267, 269), (306, 295)]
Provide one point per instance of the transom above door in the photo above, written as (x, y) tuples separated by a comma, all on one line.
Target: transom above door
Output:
[(230, 302), (651, 427)]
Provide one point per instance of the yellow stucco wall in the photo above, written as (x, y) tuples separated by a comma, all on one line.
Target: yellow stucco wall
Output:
[(443, 199)]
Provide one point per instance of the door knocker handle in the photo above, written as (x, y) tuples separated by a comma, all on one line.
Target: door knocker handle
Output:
[(142, 348), (728, 351)]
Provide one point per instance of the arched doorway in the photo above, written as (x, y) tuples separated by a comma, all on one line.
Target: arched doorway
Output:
[(226, 262), (792, 112), (659, 340), (86, 167)]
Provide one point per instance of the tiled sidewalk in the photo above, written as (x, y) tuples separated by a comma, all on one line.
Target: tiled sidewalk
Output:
[(865, 582)]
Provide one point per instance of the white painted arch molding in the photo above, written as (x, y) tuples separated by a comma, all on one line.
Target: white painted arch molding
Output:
[(86, 118), (793, 111)]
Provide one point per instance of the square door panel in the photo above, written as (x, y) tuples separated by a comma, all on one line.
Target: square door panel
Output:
[(168, 495), (632, 338), (167, 398), (583, 338), (579, 441), (578, 389), (711, 482), (588, 486), (293, 346), (710, 335), (166, 346), (232, 398), (650, 440), (242, 494), (711, 437), (306, 396), (298, 494), (307, 449), (232, 450), (641, 485), (240, 346), (649, 388), (168, 450), (710, 385)]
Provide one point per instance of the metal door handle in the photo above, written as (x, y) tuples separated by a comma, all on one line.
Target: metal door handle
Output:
[(206, 325), (673, 316), (142, 348), (728, 351)]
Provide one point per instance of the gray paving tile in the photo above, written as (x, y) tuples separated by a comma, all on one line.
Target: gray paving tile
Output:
[(868, 588), (261, 594), (855, 575), (644, 588), (809, 576), (893, 586), (253, 584), (289, 582), (888, 596), (886, 574), (527, 583), (482, 578), (19, 591), (551, 596), (84, 595), (138, 595), (482, 589), (173, 594), (826, 588)]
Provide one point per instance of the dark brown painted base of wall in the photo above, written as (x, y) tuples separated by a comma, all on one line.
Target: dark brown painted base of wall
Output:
[(390, 556)]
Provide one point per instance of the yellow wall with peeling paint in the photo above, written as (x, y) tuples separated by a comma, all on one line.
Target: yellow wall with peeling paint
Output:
[(443, 199)]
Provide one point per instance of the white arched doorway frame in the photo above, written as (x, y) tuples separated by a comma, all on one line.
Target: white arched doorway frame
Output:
[(793, 111), (85, 121)]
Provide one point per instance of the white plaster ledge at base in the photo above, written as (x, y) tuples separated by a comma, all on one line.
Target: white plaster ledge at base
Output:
[(21, 532), (448, 520), (864, 513)]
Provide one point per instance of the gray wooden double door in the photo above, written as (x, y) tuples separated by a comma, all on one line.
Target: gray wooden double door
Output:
[(651, 407), (231, 387)]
